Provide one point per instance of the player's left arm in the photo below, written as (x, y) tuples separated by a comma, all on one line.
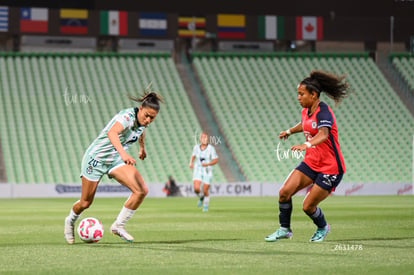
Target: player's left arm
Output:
[(320, 137), (142, 154), (325, 122), (211, 163), (214, 159)]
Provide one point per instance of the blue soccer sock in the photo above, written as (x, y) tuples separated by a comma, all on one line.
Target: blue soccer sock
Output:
[(318, 218), (285, 213)]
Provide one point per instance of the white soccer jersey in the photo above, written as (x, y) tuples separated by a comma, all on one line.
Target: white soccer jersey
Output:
[(102, 149), (203, 156)]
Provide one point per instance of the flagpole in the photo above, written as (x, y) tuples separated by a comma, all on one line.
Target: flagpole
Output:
[(391, 33), (193, 42)]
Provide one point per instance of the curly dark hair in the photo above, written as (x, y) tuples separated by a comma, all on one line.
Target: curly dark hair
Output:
[(333, 85)]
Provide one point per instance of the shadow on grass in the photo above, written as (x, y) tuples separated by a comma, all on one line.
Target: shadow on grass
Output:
[(190, 241), (185, 246), (231, 251), (170, 241), (118, 242)]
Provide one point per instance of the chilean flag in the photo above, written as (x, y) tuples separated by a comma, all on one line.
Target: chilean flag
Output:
[(34, 20)]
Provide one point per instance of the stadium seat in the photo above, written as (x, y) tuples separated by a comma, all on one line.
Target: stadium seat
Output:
[(256, 99), (54, 105), (404, 64)]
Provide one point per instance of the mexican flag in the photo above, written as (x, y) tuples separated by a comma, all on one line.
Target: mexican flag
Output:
[(114, 22)]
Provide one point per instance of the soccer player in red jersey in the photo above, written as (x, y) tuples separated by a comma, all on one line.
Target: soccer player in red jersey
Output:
[(323, 166)]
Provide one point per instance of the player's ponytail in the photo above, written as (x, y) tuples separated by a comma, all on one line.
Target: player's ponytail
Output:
[(334, 86), (149, 99)]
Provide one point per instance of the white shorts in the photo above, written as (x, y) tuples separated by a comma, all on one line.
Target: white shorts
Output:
[(203, 177), (93, 170)]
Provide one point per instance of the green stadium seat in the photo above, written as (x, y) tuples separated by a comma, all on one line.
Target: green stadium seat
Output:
[(405, 67), (255, 98), (48, 134)]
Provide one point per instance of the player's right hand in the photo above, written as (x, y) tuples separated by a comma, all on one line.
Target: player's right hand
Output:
[(128, 160), (284, 135)]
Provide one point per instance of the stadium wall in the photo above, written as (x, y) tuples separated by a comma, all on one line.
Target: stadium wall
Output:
[(236, 189)]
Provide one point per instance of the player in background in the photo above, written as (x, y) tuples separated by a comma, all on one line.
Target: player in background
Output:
[(323, 166), (202, 160), (108, 154)]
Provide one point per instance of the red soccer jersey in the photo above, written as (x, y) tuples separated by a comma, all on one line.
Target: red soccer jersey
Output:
[(326, 157)]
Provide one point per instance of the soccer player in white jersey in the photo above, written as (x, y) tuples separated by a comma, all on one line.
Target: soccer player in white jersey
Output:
[(108, 155), (202, 160)]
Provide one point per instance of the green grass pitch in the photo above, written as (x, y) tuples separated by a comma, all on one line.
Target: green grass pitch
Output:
[(369, 235)]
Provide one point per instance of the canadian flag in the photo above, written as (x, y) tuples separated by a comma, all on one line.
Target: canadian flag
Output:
[(309, 28)]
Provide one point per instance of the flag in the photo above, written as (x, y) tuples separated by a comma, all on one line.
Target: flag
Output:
[(231, 26), (114, 22), (189, 26), (4, 19), (152, 24), (73, 21), (34, 20), (309, 28), (271, 27)]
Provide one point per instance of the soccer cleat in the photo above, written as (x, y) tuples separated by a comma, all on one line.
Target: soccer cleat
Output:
[(205, 208), (281, 233), (69, 231), (200, 202), (121, 232), (320, 234)]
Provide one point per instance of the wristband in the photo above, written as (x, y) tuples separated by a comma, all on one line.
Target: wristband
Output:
[(308, 144), (288, 131)]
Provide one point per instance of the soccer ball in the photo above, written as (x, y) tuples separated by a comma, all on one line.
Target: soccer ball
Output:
[(90, 230)]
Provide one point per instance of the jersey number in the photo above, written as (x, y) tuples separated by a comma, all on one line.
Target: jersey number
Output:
[(93, 162)]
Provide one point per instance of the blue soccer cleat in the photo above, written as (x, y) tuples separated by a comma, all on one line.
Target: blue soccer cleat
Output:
[(281, 233), (200, 202), (320, 234)]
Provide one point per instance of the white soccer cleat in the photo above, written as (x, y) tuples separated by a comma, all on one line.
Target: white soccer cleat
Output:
[(69, 231), (121, 232)]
